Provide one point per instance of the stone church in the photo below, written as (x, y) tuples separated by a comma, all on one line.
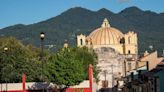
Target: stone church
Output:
[(117, 52)]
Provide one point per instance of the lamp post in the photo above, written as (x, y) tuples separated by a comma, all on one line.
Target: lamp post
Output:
[(5, 51), (42, 36)]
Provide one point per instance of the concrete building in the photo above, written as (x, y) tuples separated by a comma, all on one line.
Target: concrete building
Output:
[(151, 81), (147, 80), (152, 59)]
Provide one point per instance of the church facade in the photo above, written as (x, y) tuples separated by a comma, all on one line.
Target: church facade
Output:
[(107, 36), (112, 48)]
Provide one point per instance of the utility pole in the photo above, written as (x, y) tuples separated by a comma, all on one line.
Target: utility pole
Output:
[(125, 67)]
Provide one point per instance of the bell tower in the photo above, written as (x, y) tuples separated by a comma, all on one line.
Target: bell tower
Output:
[(81, 40), (131, 46)]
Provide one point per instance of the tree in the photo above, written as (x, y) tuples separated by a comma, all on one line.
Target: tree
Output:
[(87, 56), (64, 69), (17, 60), (70, 66)]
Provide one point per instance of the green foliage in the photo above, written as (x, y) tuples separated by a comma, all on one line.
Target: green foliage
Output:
[(70, 66), (87, 56), (18, 59)]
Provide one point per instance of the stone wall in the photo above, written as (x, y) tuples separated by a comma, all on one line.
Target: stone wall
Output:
[(110, 63)]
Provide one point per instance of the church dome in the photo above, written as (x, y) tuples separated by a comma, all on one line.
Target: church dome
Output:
[(105, 35)]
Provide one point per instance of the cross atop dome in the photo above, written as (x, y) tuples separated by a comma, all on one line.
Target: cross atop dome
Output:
[(105, 23)]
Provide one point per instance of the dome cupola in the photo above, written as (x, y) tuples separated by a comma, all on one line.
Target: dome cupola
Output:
[(105, 35), (105, 23)]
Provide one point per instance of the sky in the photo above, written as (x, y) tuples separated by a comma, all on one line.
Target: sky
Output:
[(32, 11)]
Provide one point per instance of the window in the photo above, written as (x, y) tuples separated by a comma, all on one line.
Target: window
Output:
[(122, 41), (81, 41), (152, 89), (129, 52)]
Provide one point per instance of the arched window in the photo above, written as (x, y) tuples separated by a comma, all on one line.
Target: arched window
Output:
[(129, 52), (122, 41), (106, 24), (81, 41)]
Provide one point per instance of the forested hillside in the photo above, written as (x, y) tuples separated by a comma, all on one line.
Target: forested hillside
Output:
[(149, 26)]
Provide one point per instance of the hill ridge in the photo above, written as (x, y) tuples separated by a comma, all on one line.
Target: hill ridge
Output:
[(80, 20)]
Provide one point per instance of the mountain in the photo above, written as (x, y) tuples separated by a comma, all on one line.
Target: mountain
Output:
[(149, 26)]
